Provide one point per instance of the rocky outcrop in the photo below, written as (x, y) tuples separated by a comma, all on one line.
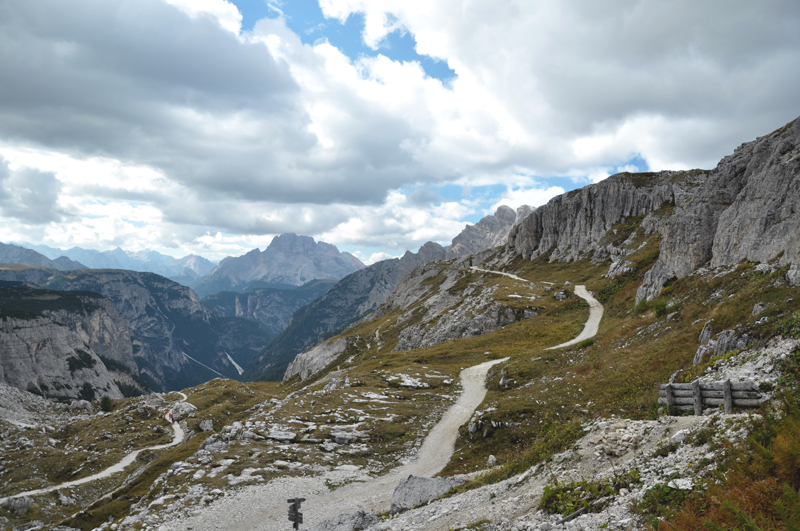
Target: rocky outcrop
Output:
[(176, 341), (289, 259), (574, 225), (748, 208), (491, 231), (47, 358), (14, 254), (415, 491), (312, 361), (271, 308)]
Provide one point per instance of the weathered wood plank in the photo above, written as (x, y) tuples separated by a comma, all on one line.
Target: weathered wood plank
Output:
[(689, 402), (712, 394), (714, 386), (698, 398), (727, 397)]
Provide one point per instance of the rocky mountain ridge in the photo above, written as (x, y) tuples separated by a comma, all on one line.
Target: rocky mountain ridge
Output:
[(175, 339), (744, 209), (357, 295), (184, 270), (289, 259), (66, 345), (14, 254)]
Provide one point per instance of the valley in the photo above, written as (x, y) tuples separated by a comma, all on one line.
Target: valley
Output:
[(597, 299)]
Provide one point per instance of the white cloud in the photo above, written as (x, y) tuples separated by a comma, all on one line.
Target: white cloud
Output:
[(225, 13), (160, 123)]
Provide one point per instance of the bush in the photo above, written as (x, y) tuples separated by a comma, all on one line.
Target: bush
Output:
[(586, 343), (660, 307), (106, 404)]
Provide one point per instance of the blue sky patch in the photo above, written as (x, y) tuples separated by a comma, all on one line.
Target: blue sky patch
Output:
[(305, 18)]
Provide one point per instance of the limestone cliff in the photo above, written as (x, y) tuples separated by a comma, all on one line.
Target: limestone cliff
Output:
[(272, 308), (491, 231), (747, 208), (177, 340), (57, 344)]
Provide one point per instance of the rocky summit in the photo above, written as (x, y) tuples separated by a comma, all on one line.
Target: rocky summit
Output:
[(629, 359), (289, 259)]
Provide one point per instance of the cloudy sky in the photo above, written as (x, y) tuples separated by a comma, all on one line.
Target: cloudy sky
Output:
[(209, 126)]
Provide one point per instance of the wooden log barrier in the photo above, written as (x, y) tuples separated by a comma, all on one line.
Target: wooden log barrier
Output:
[(698, 394)]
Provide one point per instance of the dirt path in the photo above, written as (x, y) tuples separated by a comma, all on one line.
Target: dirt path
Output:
[(592, 324), (264, 507), (177, 438)]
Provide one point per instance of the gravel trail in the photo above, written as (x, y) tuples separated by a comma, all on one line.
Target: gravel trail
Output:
[(177, 438), (264, 507), (592, 324)]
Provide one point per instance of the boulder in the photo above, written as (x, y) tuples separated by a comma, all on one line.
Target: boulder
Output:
[(415, 491), (206, 425), (81, 404), (18, 505), (347, 522), (183, 410)]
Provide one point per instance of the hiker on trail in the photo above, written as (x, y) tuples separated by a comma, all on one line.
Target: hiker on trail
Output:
[(170, 418)]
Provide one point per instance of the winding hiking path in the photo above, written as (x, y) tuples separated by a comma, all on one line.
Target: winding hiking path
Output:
[(177, 438), (595, 309), (592, 324), (263, 507)]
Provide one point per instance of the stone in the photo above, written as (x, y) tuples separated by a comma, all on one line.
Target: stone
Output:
[(18, 505), (491, 462), (415, 491), (758, 308), (679, 436), (65, 500), (206, 425), (357, 521), (183, 410)]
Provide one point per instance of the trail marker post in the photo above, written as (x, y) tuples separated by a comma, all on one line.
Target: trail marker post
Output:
[(294, 511)]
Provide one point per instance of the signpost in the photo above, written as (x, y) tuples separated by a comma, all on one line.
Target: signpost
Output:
[(294, 511)]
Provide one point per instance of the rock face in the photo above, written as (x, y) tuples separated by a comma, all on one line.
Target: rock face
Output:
[(747, 208), (14, 254), (289, 259), (176, 341), (44, 357), (48, 332), (573, 225), (270, 307), (489, 232), (415, 491), (312, 361)]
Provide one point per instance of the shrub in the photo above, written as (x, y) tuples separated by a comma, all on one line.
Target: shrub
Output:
[(660, 307), (106, 404), (586, 343)]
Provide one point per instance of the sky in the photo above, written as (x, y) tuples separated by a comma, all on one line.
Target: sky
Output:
[(210, 126)]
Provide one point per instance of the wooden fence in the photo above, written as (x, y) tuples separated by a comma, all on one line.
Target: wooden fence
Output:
[(698, 394)]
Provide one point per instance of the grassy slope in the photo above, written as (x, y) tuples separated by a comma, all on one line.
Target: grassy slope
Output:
[(552, 393)]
